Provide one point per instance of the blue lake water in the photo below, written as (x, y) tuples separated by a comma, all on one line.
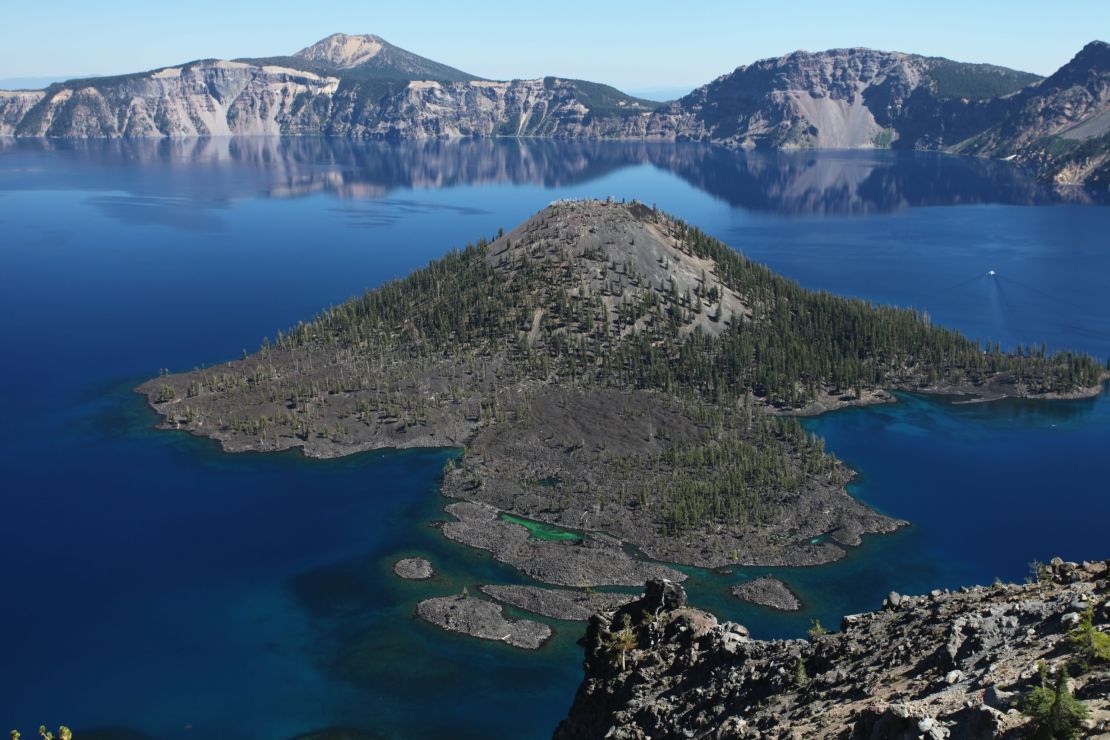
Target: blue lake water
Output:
[(156, 584)]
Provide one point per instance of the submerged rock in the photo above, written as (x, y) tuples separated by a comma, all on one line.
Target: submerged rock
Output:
[(769, 592), (483, 619), (414, 569)]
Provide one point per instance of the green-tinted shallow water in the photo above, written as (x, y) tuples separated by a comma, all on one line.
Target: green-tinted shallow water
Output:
[(542, 531)]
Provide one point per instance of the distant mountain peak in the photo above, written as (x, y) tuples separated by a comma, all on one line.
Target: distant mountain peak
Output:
[(344, 51), (367, 56), (1096, 53)]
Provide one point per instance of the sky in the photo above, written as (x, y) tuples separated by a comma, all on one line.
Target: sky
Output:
[(633, 45)]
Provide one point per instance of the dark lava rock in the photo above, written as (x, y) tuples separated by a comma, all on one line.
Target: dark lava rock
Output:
[(665, 594), (769, 592), (945, 666), (483, 619), (558, 603)]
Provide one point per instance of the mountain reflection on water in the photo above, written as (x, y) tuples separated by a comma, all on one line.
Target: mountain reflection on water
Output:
[(800, 183)]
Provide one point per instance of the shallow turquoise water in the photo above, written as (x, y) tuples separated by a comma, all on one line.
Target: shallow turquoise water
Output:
[(155, 583)]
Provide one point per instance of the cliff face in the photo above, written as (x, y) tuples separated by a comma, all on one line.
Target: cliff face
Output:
[(362, 86), (219, 98), (1060, 126), (422, 109), (944, 665), (212, 98), (843, 98), (14, 107)]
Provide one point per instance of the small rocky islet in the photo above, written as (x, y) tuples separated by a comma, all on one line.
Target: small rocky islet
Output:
[(483, 619), (768, 592), (413, 569)]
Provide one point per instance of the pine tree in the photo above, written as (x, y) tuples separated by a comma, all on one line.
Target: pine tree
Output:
[(1091, 644), (1056, 714), (801, 678), (621, 642)]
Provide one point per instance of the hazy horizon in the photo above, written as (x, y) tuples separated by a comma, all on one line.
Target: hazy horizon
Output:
[(633, 46)]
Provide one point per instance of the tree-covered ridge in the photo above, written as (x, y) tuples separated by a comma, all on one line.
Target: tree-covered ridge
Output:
[(620, 353), (976, 81), (603, 321)]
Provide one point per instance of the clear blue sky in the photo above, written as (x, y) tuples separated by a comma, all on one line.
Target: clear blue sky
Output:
[(628, 44)]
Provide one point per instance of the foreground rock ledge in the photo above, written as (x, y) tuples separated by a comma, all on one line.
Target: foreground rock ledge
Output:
[(414, 569), (769, 592), (946, 665), (483, 619)]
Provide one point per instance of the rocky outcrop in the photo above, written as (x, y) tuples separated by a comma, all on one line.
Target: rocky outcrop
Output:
[(769, 592), (1061, 126), (14, 107), (482, 619), (943, 665), (413, 569)]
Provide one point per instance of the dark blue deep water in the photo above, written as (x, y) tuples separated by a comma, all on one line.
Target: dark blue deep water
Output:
[(152, 583)]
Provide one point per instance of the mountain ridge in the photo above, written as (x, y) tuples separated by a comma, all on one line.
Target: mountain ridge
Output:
[(360, 86)]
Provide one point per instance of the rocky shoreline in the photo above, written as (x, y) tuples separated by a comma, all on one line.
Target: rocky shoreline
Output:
[(769, 592), (982, 393), (988, 392), (564, 604), (469, 615), (595, 561), (942, 665)]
